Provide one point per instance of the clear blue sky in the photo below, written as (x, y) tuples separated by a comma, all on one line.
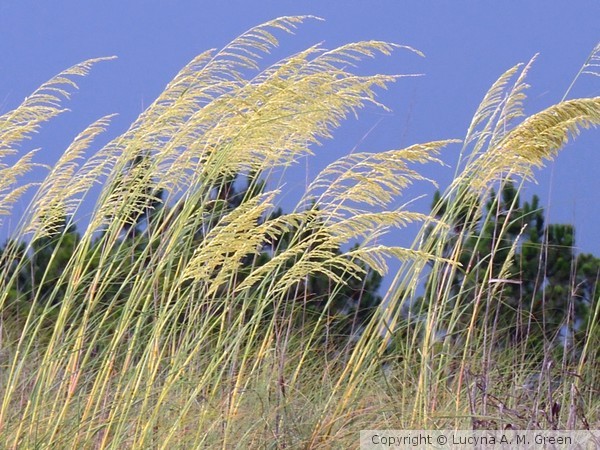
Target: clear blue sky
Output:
[(467, 44)]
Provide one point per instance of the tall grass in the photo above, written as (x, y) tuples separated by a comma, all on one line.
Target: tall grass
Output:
[(178, 342)]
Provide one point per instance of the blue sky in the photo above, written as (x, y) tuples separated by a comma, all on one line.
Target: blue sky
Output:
[(467, 45)]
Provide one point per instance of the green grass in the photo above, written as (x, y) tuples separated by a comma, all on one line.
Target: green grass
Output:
[(175, 342)]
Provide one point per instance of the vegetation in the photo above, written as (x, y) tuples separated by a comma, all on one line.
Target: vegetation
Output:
[(191, 312), (548, 291)]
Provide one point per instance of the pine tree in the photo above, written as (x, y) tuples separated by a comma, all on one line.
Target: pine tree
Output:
[(50, 253), (550, 290)]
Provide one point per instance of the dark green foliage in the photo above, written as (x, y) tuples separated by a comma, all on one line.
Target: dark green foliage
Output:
[(547, 292), (15, 279), (49, 257), (36, 272)]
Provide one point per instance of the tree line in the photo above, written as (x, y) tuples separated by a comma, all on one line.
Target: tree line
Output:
[(548, 294)]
